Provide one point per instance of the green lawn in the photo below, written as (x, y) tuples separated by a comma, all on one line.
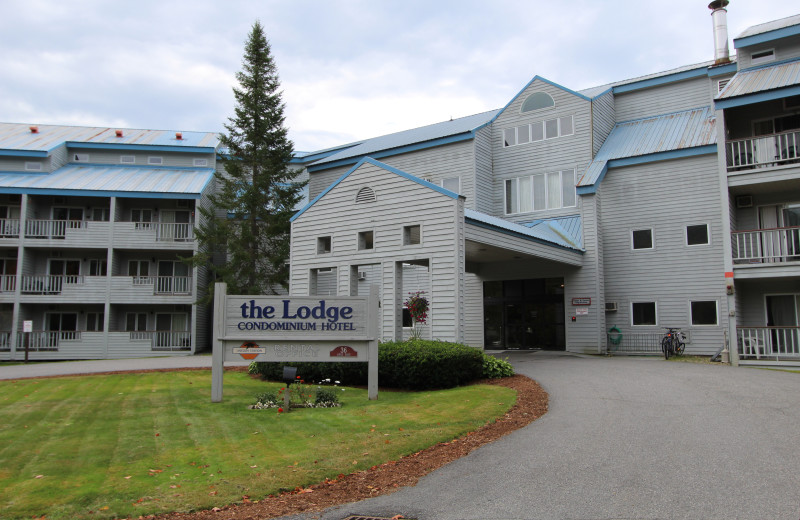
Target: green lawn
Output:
[(135, 444)]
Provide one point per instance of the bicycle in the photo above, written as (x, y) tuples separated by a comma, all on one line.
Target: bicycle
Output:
[(673, 342)]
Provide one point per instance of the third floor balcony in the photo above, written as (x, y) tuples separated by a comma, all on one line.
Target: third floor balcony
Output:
[(763, 151)]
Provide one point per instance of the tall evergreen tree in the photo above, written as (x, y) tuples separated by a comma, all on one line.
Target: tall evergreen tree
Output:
[(247, 222)]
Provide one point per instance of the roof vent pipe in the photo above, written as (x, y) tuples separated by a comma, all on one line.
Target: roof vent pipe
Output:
[(118, 133), (178, 136), (34, 129), (719, 17)]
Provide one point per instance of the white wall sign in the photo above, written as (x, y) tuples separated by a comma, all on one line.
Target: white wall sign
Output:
[(294, 328)]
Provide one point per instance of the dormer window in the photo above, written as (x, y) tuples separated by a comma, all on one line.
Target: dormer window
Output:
[(537, 101), (760, 57)]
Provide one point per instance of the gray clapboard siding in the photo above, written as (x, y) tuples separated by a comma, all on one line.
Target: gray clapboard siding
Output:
[(787, 49), (482, 201), (672, 273), (400, 202), (603, 120), (473, 311), (665, 99)]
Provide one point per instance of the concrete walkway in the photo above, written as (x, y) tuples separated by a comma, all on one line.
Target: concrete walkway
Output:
[(61, 368), (625, 438)]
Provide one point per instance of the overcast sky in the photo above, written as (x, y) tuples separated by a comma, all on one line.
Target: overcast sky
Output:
[(349, 69)]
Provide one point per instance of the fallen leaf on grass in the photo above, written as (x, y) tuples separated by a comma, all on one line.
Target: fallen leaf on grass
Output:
[(128, 477), (38, 476)]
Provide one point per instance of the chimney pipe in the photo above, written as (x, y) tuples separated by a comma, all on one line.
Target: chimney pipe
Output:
[(719, 19)]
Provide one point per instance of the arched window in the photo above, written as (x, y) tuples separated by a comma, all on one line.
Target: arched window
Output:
[(365, 195), (537, 101)]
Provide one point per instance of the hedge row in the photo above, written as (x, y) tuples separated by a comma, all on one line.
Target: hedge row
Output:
[(413, 365)]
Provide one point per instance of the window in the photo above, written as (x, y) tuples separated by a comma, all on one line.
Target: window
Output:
[(155, 160), (697, 235), (94, 321), (642, 238), (762, 56), (98, 267), (365, 240), (552, 190), (643, 313), (452, 183), (411, 235), (704, 312), (538, 131), (135, 321), (80, 157), (323, 245), (33, 166), (537, 101), (200, 162), (127, 159), (100, 214), (142, 217), (140, 271), (407, 321)]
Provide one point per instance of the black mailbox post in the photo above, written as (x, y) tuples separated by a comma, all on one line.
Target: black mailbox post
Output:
[(289, 377)]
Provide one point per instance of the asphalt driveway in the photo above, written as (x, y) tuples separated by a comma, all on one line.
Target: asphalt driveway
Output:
[(625, 438)]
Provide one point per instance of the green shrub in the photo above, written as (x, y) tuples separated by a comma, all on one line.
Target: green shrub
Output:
[(412, 365), (326, 396), (494, 368)]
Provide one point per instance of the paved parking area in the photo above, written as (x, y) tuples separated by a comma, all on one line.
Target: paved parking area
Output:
[(625, 438)]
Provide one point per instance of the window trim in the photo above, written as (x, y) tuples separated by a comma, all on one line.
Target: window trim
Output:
[(546, 199), (458, 177), (320, 242), (655, 305), (691, 315), (686, 235), (538, 92), (652, 239), (769, 56), (407, 234), (360, 240), (514, 130)]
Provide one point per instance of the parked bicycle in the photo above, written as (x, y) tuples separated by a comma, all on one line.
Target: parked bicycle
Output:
[(673, 342)]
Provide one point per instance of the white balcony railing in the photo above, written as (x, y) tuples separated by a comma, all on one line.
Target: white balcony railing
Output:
[(168, 340), (5, 340), (763, 151), (46, 340), (769, 342), (166, 284), (9, 228), (51, 228), (762, 246), (48, 284), (8, 283), (174, 232)]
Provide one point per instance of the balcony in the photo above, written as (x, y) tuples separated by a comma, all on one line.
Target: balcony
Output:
[(153, 234), (769, 343), (46, 340), (151, 289), (763, 151), (766, 246), (70, 232), (9, 228), (163, 340)]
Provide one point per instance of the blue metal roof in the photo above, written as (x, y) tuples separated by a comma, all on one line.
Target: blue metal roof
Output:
[(568, 229), (416, 136), (761, 79), (554, 235), (111, 180), (765, 32), (653, 135), (16, 136)]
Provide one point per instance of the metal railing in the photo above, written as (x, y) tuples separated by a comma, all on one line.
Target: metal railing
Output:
[(763, 151), (46, 340), (167, 340), (166, 284), (768, 342), (51, 228), (766, 245), (9, 228), (48, 284), (8, 283), (634, 343), (168, 232)]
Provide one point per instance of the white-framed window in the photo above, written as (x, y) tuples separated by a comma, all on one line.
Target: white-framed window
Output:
[(135, 321), (200, 162), (704, 312), (127, 159), (139, 270), (537, 101), (31, 166), (100, 214), (142, 217), (697, 235), (366, 240), (80, 157), (644, 314), (541, 191), (324, 245), (155, 160), (642, 239), (764, 56), (451, 183), (538, 131), (98, 267), (412, 235)]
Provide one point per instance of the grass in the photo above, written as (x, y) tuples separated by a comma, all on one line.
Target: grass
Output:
[(136, 444), (703, 360)]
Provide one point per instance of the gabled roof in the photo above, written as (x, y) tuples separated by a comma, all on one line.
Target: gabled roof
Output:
[(119, 181), (20, 137), (653, 138), (386, 167), (768, 31), (399, 142), (761, 79)]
